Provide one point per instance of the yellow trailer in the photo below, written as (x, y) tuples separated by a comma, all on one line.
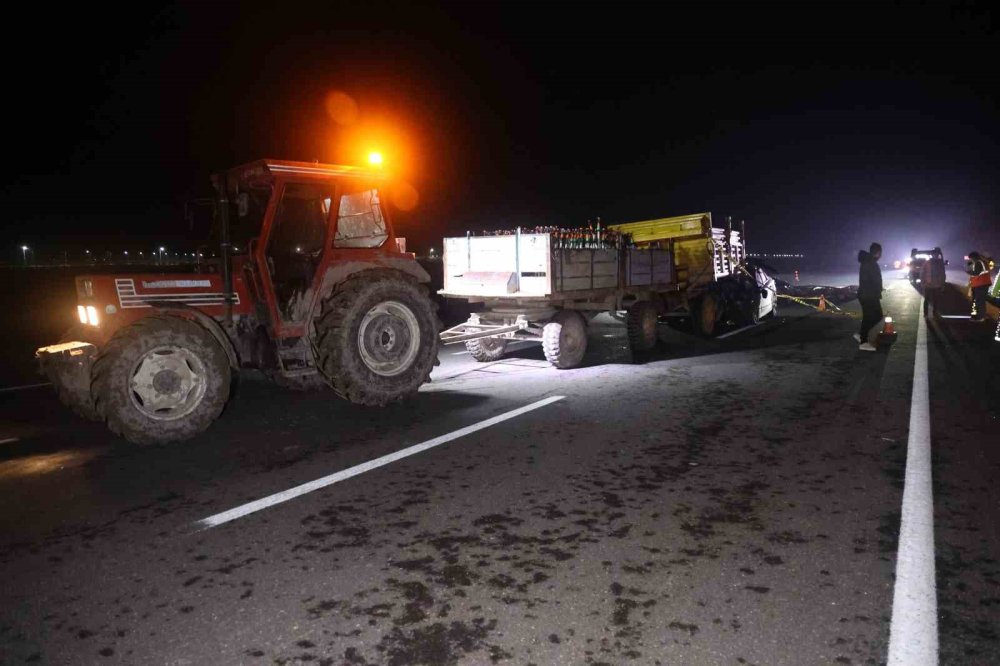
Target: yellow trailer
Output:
[(713, 278)]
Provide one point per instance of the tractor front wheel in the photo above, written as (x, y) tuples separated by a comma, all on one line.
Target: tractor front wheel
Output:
[(377, 338), (162, 379)]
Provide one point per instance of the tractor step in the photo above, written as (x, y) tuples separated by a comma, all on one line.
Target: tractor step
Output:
[(296, 360)]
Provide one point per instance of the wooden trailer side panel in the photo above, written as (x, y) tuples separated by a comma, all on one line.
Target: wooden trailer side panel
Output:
[(645, 268), (695, 261), (578, 270)]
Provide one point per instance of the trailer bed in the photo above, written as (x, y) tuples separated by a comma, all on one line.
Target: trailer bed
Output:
[(525, 267)]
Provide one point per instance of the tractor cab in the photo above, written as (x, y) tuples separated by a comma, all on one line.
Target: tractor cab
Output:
[(289, 220)]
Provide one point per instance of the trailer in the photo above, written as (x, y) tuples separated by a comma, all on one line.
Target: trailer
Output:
[(532, 287)]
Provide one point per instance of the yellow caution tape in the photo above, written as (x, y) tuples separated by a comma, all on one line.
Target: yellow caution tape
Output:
[(830, 306)]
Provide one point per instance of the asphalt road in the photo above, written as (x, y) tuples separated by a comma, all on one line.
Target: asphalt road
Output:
[(718, 502)]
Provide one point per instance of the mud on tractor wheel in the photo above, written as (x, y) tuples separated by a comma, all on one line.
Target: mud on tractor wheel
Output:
[(162, 379), (485, 350), (376, 339)]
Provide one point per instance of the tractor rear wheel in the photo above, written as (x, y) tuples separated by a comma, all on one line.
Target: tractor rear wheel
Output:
[(72, 379), (377, 337), (640, 324), (162, 379), (485, 350), (564, 339)]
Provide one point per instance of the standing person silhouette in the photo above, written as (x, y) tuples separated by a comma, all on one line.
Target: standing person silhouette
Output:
[(870, 296), (932, 279)]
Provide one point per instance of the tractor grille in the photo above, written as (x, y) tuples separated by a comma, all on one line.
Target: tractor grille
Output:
[(128, 298)]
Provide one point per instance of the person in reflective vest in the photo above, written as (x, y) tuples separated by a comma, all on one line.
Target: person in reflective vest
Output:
[(994, 297), (979, 283)]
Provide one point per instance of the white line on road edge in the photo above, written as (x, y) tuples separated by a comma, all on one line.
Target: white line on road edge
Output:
[(913, 632), (739, 330), (955, 316), (298, 491), (9, 440), (25, 387)]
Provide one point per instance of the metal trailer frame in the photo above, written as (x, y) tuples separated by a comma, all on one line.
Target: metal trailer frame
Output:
[(541, 282), (520, 314)]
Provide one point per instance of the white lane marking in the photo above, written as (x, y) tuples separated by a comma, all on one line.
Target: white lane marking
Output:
[(913, 632), (9, 440), (739, 330), (298, 491), (955, 316), (24, 388)]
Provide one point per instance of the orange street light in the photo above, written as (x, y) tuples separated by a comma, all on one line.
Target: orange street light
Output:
[(375, 159)]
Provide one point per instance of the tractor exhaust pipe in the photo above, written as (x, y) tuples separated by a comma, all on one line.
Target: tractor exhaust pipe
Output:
[(225, 247)]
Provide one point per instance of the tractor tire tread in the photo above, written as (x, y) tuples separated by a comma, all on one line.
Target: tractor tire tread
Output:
[(344, 372), (114, 407)]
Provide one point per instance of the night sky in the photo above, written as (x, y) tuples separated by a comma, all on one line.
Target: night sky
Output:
[(824, 126)]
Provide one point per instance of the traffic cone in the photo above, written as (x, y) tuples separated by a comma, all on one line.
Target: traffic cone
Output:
[(888, 334), (822, 302)]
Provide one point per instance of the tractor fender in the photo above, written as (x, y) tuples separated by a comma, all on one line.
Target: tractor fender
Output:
[(340, 271), (188, 312)]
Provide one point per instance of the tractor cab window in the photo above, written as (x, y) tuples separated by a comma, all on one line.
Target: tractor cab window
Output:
[(246, 216), (360, 222), (295, 245)]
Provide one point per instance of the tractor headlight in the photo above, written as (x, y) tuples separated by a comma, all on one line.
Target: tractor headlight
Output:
[(81, 312), (92, 316)]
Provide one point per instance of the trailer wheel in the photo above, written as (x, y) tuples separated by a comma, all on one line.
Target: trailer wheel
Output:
[(564, 339), (485, 350), (707, 314), (162, 379), (640, 324), (377, 337)]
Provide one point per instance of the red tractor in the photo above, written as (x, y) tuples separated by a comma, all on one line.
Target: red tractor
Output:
[(312, 287)]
